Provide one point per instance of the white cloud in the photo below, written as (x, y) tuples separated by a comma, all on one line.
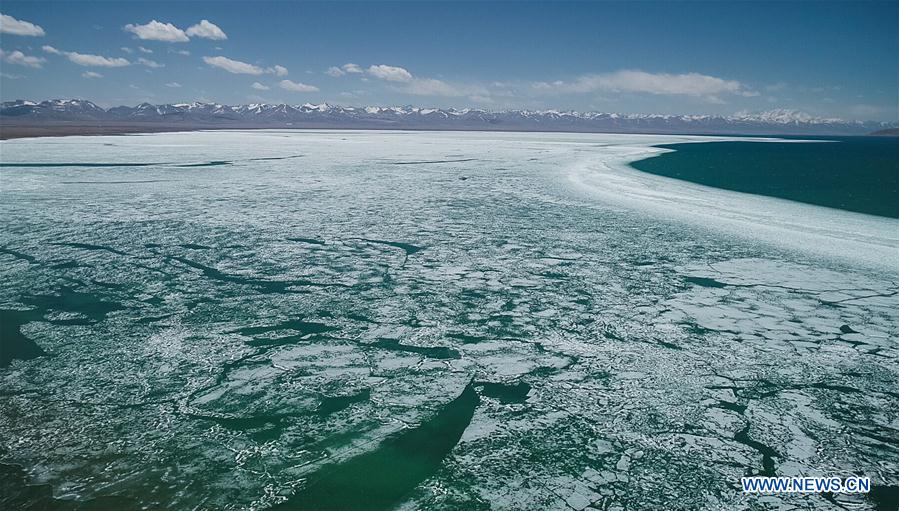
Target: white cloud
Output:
[(390, 73), (157, 31), (123, 48), (173, 85), (259, 86), (144, 50), (182, 52), (349, 67), (426, 86), (92, 60), (20, 59), (10, 77), (238, 67), (150, 63), (433, 87), (10, 25), (206, 30), (233, 66), (95, 60), (297, 87), (91, 74), (687, 84)]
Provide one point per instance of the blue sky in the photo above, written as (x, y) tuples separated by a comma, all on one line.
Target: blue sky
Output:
[(829, 59)]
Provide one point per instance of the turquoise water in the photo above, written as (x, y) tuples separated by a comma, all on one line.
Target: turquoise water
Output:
[(852, 173), (351, 320)]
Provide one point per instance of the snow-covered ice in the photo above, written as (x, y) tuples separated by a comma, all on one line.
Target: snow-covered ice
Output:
[(232, 318)]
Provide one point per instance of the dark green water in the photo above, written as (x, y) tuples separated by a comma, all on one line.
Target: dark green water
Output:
[(381, 478), (858, 174)]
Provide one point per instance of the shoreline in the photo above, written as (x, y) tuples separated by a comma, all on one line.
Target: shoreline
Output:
[(853, 238), (20, 131)]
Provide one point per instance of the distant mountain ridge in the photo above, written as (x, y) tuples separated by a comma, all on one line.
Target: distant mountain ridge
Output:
[(262, 115)]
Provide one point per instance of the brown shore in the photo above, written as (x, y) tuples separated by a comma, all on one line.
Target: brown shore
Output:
[(27, 130), (11, 131), (65, 129)]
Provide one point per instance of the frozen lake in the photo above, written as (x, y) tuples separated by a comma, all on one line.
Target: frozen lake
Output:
[(336, 319)]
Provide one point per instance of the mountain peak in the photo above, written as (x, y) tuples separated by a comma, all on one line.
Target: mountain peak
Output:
[(324, 115)]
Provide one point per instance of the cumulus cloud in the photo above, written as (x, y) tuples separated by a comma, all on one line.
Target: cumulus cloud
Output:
[(686, 84), (91, 74), (349, 67), (20, 59), (233, 66), (206, 30), (409, 84), (144, 50), (90, 60), (83, 59), (12, 26), (390, 73), (182, 52), (238, 67), (123, 48), (173, 85), (259, 86), (150, 63), (157, 31), (297, 87)]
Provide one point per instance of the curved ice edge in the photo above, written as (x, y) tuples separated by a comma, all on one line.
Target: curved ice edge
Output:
[(845, 236)]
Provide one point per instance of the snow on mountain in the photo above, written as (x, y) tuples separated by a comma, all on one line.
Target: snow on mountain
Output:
[(324, 115), (783, 116)]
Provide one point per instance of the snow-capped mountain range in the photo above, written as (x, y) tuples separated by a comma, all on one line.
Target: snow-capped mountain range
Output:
[(261, 115)]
